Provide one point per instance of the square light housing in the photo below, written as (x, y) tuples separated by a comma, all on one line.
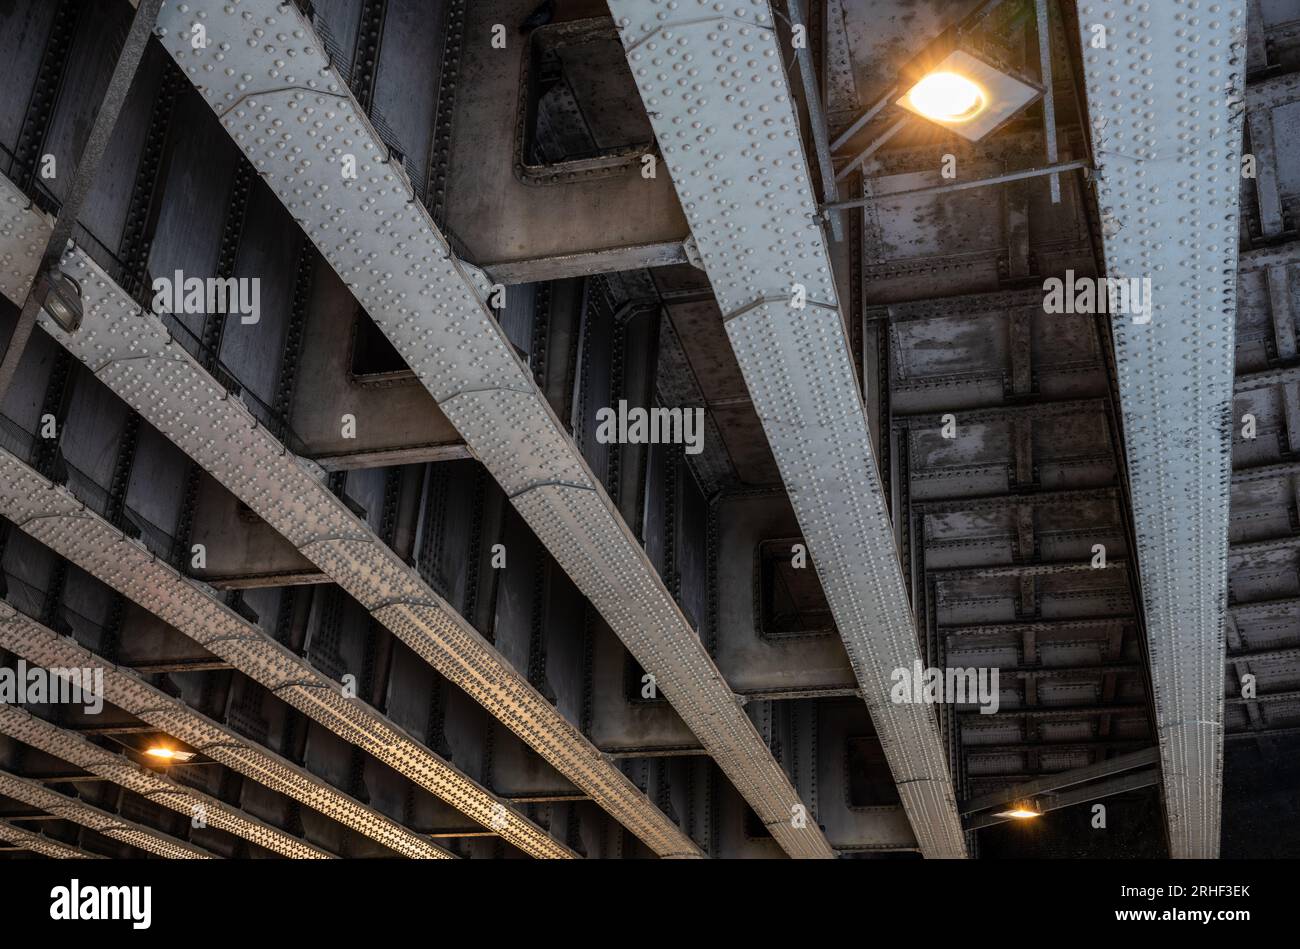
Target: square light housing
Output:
[(965, 94)]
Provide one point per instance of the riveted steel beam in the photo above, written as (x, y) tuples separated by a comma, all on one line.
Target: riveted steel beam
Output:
[(133, 354), (22, 725), (24, 231), (53, 516), (266, 76), (1055, 800), (720, 102), (1063, 779), (87, 815), (38, 843), (110, 307), (1164, 92), (88, 162), (38, 644)]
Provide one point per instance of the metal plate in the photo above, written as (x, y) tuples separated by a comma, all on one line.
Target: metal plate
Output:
[(51, 515), (720, 102), (19, 837), (24, 232), (1164, 95), (87, 815), (74, 749), (131, 352), (266, 77), (37, 644)]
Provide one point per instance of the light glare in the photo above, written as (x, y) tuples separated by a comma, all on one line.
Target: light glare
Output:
[(947, 97)]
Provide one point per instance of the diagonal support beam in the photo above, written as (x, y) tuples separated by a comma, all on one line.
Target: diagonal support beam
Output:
[(101, 132), (1083, 794), (1164, 94), (22, 725), (720, 102), (42, 646), (1064, 779), (133, 354), (38, 843), (87, 815), (52, 515), (265, 74)]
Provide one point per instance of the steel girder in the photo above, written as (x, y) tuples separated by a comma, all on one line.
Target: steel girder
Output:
[(720, 102), (52, 515), (37, 843), (266, 75), (24, 232), (87, 815), (37, 644), (1164, 91), (110, 300), (25, 727), (132, 352)]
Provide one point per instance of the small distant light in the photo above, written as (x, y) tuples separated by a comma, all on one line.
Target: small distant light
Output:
[(947, 97), (1021, 810), (169, 754)]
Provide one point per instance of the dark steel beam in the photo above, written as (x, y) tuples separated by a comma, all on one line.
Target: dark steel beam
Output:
[(101, 132), (1064, 779)]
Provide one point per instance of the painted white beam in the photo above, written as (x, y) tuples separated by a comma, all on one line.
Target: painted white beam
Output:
[(1164, 90), (42, 646), (713, 83), (266, 76), (87, 815), (22, 725)]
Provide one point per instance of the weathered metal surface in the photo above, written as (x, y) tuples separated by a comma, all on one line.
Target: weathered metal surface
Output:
[(1169, 150)]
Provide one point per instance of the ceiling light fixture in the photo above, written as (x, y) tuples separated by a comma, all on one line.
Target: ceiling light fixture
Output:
[(62, 301), (952, 87), (1021, 810), (169, 754), (947, 97)]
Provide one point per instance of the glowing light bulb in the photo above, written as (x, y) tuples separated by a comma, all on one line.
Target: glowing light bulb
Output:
[(947, 97), (1021, 810)]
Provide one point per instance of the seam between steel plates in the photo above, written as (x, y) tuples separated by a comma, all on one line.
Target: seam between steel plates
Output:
[(88, 815), (1165, 103), (45, 846), (400, 267), (25, 727), (24, 636), (723, 114), (71, 529)]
